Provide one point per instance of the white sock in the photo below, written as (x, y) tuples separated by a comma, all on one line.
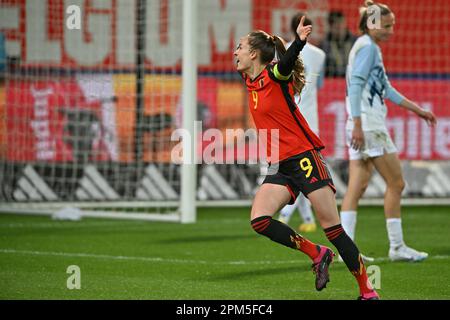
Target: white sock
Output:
[(287, 211), (348, 221), (305, 209), (395, 232)]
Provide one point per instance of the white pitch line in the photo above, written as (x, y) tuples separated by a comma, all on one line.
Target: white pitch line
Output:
[(86, 224), (63, 224), (145, 259), (174, 261)]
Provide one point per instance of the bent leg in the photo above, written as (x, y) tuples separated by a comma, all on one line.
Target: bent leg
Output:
[(268, 200), (324, 204), (390, 169)]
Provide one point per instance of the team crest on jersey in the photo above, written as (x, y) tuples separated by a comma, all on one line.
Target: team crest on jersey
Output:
[(261, 83)]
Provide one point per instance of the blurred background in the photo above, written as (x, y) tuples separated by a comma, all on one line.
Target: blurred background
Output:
[(86, 115)]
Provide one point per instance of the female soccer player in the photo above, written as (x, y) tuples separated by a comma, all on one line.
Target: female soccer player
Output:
[(367, 136), (271, 88)]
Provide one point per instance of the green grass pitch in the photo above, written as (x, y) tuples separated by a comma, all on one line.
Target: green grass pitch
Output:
[(219, 257)]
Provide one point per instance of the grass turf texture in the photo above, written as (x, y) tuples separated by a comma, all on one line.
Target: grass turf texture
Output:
[(219, 257)]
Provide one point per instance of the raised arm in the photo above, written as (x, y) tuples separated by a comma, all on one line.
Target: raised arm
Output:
[(287, 62)]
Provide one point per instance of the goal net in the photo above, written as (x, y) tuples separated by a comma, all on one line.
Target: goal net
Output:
[(91, 93)]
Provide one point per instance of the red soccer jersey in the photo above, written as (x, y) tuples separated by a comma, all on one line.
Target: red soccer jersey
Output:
[(271, 102)]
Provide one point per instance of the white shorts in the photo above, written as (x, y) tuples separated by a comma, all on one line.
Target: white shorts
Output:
[(376, 143)]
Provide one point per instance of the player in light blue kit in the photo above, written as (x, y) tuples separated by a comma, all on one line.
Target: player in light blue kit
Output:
[(370, 145)]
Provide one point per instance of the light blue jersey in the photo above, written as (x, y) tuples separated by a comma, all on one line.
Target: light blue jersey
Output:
[(368, 86)]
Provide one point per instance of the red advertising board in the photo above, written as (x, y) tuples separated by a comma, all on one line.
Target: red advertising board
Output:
[(413, 138), (55, 121), (61, 121), (37, 32), (93, 117), (40, 119)]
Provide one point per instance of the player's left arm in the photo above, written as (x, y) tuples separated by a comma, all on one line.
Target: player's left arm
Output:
[(426, 115), (407, 104), (284, 67)]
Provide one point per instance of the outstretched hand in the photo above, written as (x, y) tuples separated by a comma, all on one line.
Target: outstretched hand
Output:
[(303, 31)]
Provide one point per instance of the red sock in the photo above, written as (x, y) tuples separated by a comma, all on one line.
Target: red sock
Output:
[(361, 276), (312, 250)]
